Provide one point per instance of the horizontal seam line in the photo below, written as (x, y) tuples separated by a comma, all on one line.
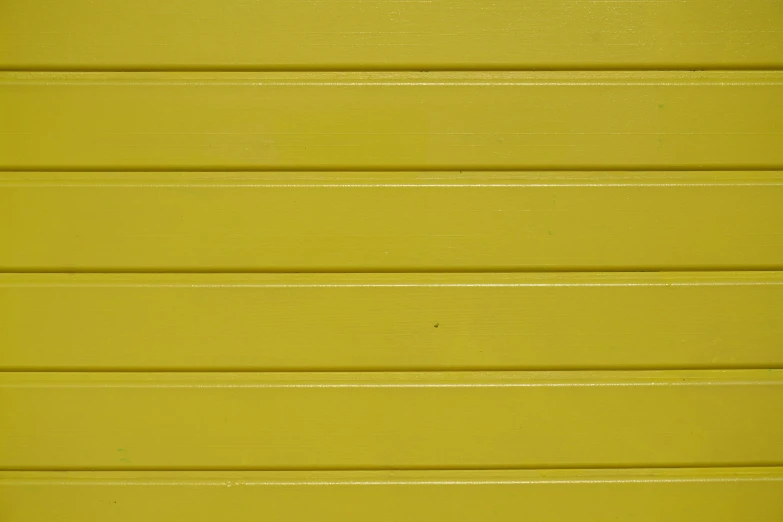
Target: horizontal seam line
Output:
[(403, 69), (381, 270), (772, 464), (389, 369), (398, 169)]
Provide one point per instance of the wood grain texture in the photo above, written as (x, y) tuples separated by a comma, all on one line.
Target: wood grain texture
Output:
[(378, 34), (94, 421), (390, 321), (569, 120), (360, 222), (644, 495)]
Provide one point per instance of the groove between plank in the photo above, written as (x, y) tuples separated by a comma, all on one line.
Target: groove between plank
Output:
[(399, 477), (215, 169), (382, 379), (357, 476), (534, 270), (282, 69)]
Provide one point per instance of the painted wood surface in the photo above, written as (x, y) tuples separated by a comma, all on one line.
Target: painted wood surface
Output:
[(361, 222), (390, 321), (390, 420), (643, 495), (479, 120), (378, 34), (391, 260)]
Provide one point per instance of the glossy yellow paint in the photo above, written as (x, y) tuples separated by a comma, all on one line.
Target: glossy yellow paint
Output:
[(644, 495), (390, 321), (390, 221), (571, 120), (373, 34), (333, 420)]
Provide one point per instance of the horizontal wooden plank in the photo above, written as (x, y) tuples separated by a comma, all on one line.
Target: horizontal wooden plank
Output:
[(647, 495), (104, 421), (391, 120), (379, 34), (390, 221), (390, 321)]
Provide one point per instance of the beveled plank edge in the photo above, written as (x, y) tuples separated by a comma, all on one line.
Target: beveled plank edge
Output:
[(343, 179), (397, 477), (395, 280), (404, 77), (400, 379)]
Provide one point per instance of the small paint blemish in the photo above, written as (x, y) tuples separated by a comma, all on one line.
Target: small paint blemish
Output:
[(123, 455), (550, 232), (660, 106), (437, 324)]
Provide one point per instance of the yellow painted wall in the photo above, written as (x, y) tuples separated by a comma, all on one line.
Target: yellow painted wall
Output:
[(445, 260)]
